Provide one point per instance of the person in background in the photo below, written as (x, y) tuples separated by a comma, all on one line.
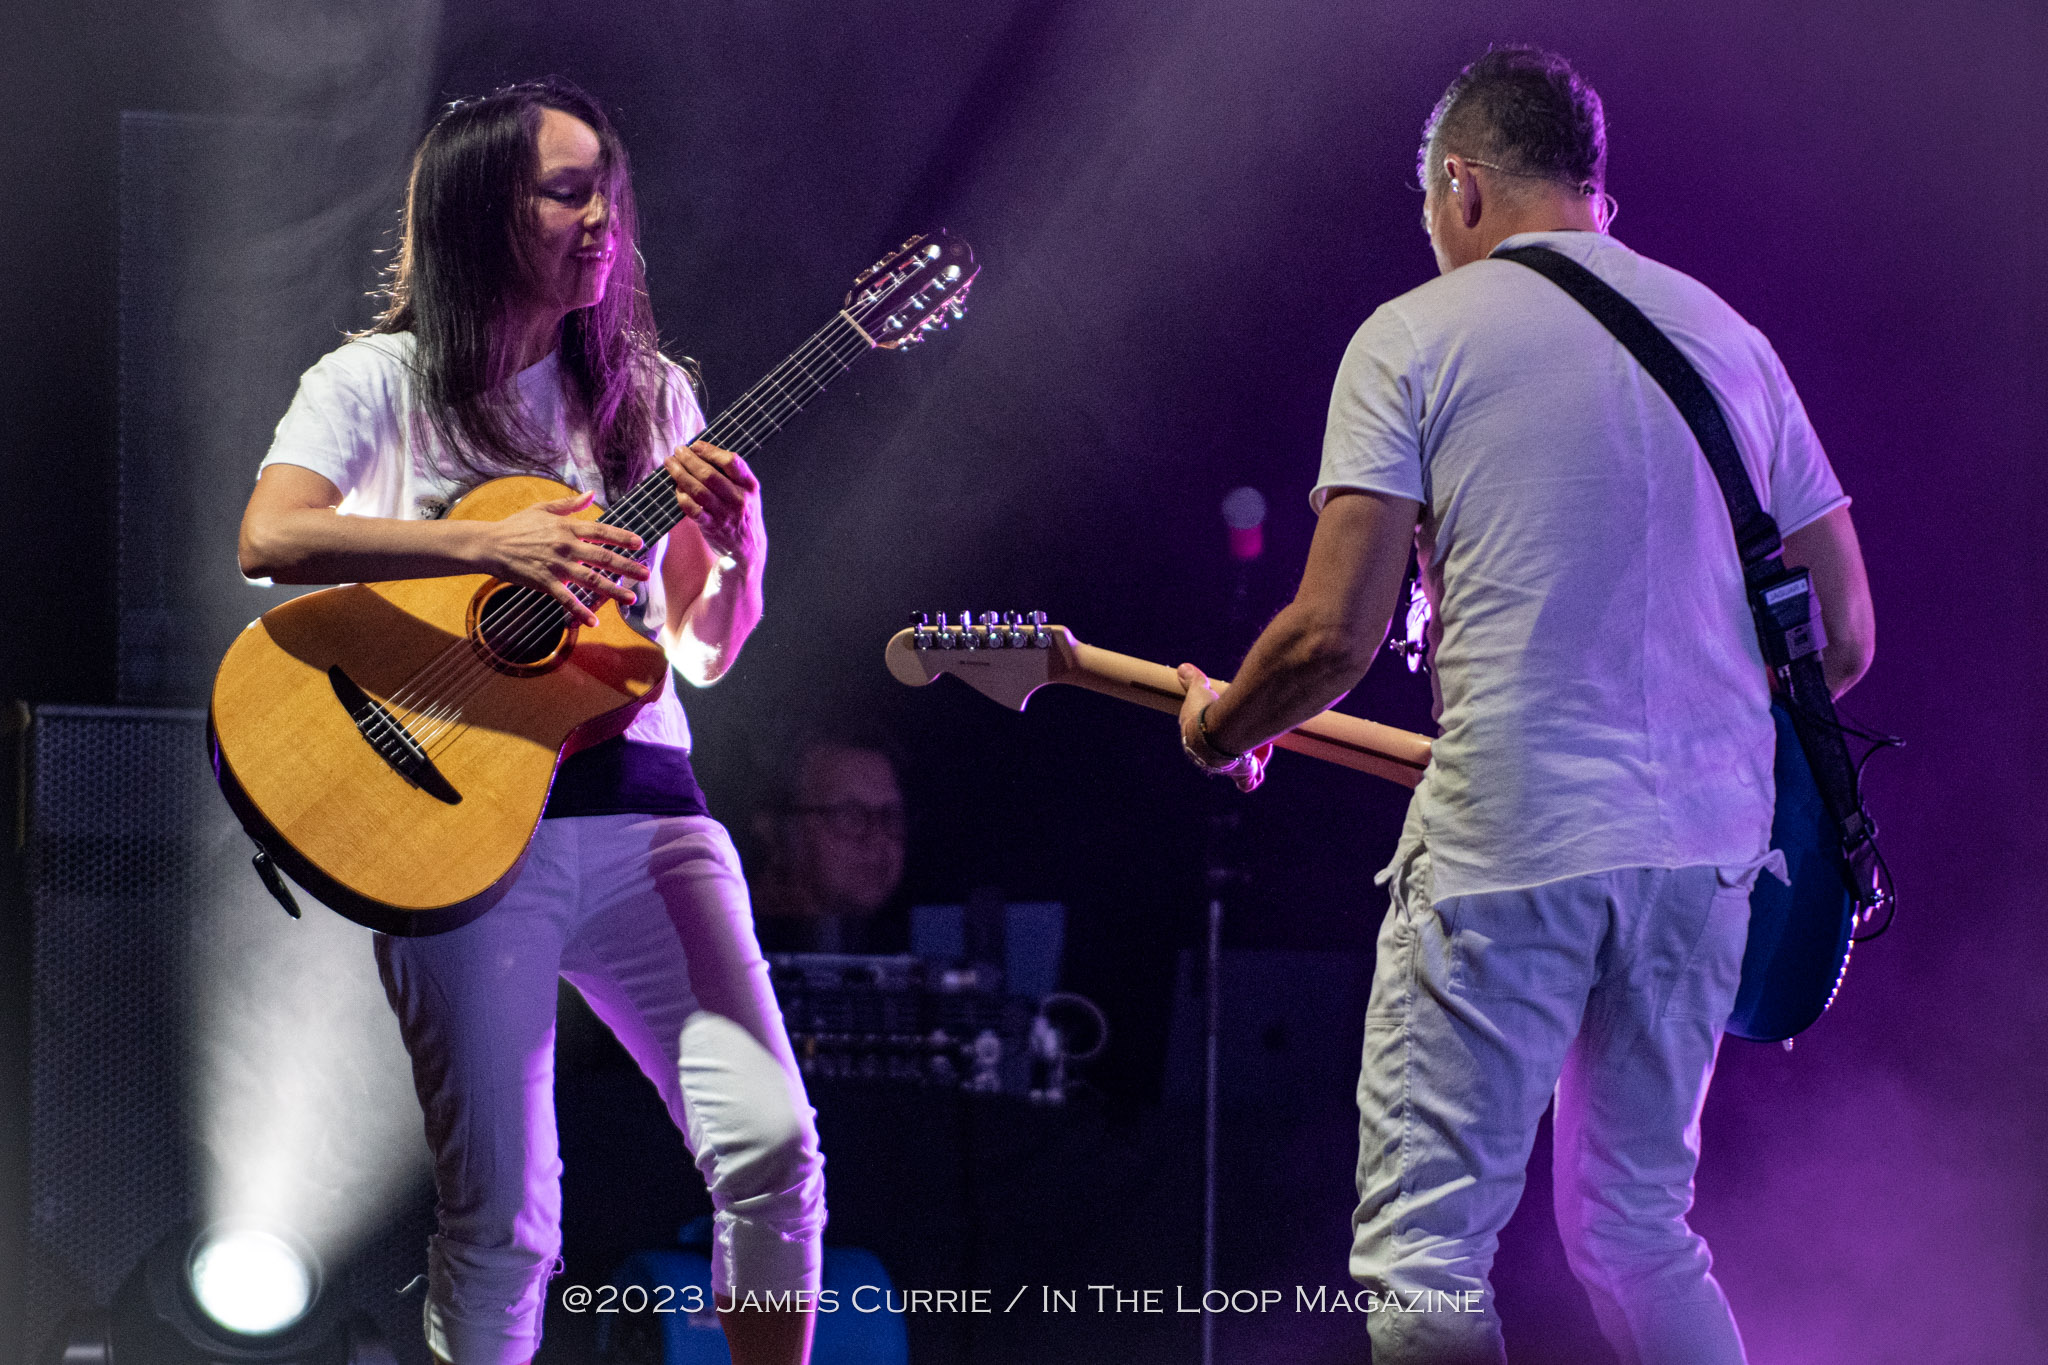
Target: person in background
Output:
[(831, 845)]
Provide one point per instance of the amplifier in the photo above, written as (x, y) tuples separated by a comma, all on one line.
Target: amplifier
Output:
[(900, 1019)]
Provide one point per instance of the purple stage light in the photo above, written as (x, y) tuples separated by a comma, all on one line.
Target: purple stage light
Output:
[(1244, 512)]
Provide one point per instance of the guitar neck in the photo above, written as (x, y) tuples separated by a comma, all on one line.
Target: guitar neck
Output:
[(650, 511), (1396, 755)]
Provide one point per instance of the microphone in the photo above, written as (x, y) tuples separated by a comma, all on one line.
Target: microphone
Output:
[(1244, 512)]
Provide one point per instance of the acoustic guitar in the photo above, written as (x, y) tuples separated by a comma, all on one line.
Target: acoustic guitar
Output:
[(1800, 933), (392, 745)]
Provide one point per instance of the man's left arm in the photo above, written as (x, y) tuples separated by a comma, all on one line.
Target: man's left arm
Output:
[(711, 569), (1320, 644)]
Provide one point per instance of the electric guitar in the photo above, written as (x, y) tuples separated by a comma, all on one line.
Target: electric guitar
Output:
[(391, 745), (1800, 934)]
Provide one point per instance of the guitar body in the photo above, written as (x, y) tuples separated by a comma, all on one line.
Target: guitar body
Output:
[(312, 788), (1799, 934)]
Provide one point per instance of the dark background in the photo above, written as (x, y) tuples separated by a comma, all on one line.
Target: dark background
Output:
[(1183, 210)]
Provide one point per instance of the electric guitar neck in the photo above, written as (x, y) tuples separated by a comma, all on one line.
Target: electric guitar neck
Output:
[(1006, 659)]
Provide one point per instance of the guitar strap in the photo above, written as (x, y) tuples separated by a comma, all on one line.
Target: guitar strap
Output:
[(1781, 599)]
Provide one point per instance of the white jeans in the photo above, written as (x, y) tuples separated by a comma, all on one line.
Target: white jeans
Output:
[(1612, 989), (648, 917)]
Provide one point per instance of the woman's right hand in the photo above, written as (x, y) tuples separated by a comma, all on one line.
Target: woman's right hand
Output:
[(542, 547)]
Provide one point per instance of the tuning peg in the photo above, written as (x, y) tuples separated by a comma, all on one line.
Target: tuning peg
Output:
[(957, 309)]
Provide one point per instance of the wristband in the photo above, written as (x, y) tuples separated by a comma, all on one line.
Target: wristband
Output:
[(1202, 724), (1229, 762)]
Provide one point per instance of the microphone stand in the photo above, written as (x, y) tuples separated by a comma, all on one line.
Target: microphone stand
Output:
[(1244, 509)]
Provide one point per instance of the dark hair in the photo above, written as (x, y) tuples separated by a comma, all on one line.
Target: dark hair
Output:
[(1525, 110), (465, 237)]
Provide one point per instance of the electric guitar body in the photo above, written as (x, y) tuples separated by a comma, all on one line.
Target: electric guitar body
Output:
[(392, 745)]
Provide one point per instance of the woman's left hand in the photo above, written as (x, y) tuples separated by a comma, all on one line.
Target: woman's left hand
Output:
[(720, 495)]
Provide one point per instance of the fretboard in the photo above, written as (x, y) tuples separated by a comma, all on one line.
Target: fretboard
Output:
[(650, 510)]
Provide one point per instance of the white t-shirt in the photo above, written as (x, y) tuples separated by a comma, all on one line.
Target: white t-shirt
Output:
[(1602, 698), (354, 421)]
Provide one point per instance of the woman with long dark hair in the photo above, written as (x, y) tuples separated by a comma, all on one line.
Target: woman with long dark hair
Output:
[(518, 340)]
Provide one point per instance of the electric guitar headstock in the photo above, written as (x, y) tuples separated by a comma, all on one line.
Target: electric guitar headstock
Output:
[(920, 286), (1005, 656)]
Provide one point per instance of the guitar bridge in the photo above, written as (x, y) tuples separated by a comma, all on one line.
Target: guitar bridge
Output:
[(392, 741)]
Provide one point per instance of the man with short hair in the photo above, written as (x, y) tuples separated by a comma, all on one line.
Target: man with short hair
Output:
[(1569, 898)]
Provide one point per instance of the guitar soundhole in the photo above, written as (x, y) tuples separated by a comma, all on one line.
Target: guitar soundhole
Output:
[(518, 630)]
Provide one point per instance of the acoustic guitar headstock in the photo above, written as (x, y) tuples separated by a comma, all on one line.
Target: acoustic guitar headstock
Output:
[(1005, 656), (920, 286)]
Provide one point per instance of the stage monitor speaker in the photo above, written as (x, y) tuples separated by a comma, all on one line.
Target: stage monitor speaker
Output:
[(113, 798), (121, 837)]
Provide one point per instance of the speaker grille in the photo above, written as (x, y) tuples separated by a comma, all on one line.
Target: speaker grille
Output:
[(116, 798)]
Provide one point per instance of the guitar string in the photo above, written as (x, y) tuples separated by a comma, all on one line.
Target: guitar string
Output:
[(533, 620), (423, 694), (440, 688), (758, 413), (441, 713), (631, 508)]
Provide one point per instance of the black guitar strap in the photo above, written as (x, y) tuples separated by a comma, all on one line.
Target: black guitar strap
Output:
[(1781, 599)]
